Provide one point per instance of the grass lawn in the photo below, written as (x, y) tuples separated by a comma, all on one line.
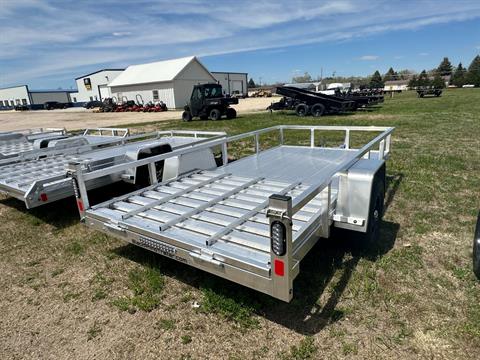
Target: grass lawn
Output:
[(69, 292)]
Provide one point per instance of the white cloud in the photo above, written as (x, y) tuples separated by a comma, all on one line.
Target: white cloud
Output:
[(47, 38)]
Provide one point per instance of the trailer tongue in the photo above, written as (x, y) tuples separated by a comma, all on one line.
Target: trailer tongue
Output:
[(253, 220)]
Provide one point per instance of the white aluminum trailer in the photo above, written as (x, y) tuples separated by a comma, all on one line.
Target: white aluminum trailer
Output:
[(252, 220), (19, 143), (41, 177)]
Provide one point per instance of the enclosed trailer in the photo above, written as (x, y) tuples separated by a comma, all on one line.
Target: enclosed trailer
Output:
[(253, 220)]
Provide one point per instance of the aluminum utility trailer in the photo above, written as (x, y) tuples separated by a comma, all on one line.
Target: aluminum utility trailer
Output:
[(252, 220), (18, 141), (39, 178), (17, 144)]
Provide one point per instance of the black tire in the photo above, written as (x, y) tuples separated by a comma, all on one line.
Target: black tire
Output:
[(187, 116), (215, 114), (476, 249), (301, 110), (231, 113), (318, 110), (375, 214)]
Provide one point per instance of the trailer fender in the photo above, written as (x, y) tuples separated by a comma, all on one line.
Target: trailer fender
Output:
[(354, 192)]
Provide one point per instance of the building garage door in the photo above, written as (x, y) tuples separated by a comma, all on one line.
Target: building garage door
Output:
[(236, 85), (104, 92)]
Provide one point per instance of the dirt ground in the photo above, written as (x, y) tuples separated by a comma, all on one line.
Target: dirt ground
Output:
[(80, 118)]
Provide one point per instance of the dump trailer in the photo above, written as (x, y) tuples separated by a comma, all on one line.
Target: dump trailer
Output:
[(428, 92), (252, 220), (306, 102), (28, 144), (38, 180), (208, 102)]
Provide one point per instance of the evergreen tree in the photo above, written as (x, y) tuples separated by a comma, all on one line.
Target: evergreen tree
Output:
[(413, 83), (473, 75), (438, 82), (376, 81), (251, 83), (390, 75), (445, 67), (459, 76), (423, 80)]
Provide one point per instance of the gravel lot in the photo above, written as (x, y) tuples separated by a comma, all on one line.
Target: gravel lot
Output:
[(79, 118)]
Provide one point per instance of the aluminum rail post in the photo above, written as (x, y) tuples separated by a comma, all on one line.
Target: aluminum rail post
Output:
[(281, 246), (79, 188)]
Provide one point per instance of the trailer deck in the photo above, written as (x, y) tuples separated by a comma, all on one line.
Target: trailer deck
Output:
[(221, 220), (42, 180)]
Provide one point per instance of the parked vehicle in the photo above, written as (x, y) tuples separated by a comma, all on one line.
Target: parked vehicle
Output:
[(253, 220), (21, 107), (93, 104), (51, 105), (237, 94), (208, 102), (476, 248)]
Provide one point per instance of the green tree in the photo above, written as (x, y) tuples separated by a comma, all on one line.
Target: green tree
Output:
[(413, 83), (438, 82), (473, 75), (376, 81), (390, 75), (445, 67), (306, 77), (251, 83), (423, 80), (459, 76)]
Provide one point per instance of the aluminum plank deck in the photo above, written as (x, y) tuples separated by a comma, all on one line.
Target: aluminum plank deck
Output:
[(224, 210)]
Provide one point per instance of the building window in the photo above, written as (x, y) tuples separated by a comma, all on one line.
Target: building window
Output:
[(155, 94), (74, 99), (24, 101), (17, 101), (1, 102), (91, 98)]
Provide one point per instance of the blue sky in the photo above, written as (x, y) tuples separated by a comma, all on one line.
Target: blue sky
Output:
[(46, 44)]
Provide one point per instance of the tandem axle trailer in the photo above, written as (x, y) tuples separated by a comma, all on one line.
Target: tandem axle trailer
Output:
[(39, 178), (253, 220)]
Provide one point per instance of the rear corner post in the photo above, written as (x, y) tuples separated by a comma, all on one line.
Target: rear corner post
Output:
[(79, 188), (281, 248)]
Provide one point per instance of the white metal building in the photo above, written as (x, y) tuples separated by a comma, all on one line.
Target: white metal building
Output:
[(232, 81), (170, 81), (35, 99), (94, 86)]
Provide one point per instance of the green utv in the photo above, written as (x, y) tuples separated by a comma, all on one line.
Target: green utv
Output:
[(208, 102)]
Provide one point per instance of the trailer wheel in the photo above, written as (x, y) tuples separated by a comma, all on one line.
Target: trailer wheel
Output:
[(318, 110), (187, 116), (476, 249), (375, 215), (215, 114), (301, 110), (231, 113)]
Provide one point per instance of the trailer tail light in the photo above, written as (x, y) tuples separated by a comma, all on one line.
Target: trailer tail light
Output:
[(43, 197), (80, 205), (277, 231), (279, 267)]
